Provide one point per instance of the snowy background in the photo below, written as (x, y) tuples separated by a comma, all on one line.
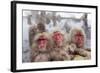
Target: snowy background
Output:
[(64, 20)]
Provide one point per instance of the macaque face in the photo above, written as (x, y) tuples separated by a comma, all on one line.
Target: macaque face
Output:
[(42, 42), (79, 39), (58, 38)]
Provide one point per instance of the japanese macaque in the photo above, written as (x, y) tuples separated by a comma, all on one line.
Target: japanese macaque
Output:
[(78, 38), (40, 48), (58, 52), (34, 29)]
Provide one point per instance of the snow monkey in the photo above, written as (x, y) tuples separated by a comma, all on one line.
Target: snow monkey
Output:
[(40, 48), (78, 38), (58, 52), (34, 29)]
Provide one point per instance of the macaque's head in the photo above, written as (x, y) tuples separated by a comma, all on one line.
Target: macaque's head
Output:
[(41, 27), (42, 40), (58, 38), (78, 37)]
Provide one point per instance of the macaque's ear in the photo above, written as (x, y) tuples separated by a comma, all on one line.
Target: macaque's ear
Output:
[(34, 45)]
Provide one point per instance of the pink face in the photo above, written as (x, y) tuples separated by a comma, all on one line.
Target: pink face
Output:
[(42, 42), (79, 39), (58, 37)]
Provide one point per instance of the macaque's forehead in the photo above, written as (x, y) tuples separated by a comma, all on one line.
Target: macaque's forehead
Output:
[(57, 33), (78, 32)]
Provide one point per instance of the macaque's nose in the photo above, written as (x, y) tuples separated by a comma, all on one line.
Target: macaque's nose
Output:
[(79, 40), (58, 37)]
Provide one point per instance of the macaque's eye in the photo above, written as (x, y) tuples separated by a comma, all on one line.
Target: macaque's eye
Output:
[(42, 41)]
